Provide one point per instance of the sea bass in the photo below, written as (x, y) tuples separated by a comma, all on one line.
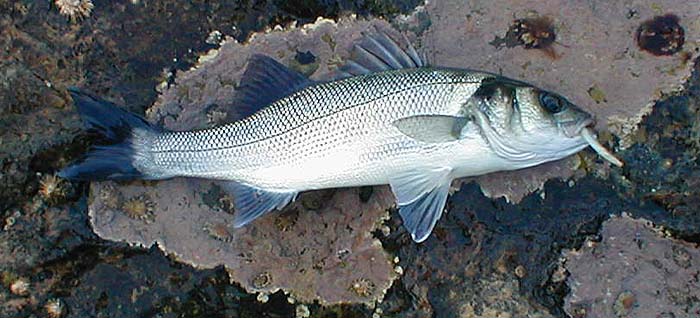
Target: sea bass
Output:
[(390, 119)]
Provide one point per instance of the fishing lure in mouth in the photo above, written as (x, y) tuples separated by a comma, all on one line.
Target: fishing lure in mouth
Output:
[(389, 118)]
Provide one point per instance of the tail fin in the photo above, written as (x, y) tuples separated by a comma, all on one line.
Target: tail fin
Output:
[(116, 160)]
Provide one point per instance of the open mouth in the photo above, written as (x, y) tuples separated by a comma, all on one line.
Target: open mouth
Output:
[(584, 129)]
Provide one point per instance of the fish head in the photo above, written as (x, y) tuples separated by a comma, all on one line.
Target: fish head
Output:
[(548, 115), (529, 125)]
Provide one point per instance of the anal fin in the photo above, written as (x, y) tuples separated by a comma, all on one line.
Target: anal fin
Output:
[(421, 195), (251, 202)]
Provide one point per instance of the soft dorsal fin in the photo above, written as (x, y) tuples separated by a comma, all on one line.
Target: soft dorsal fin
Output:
[(263, 82), (251, 202), (421, 195), (378, 52)]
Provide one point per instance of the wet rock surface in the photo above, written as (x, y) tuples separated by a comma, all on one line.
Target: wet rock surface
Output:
[(633, 271), (487, 257)]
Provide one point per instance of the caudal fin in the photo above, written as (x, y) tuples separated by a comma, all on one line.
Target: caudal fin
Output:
[(120, 128)]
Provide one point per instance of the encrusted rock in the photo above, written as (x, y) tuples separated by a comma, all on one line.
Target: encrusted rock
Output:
[(595, 60), (633, 272)]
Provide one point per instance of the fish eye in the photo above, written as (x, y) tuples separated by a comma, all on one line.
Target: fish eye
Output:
[(551, 103)]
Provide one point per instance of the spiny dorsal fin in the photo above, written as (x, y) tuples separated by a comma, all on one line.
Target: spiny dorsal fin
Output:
[(378, 52), (263, 82)]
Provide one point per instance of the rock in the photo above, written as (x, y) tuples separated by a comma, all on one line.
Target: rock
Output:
[(594, 61), (634, 271)]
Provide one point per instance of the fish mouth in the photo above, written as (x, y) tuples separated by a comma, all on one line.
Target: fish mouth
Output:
[(585, 130), (587, 123)]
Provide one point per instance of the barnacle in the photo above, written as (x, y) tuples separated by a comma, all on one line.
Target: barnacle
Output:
[(216, 117), (316, 200), (75, 9), (20, 287), (51, 188), (285, 221), (54, 308), (262, 297), (139, 208), (219, 231), (262, 280), (302, 311), (624, 303), (362, 287), (226, 203), (109, 196)]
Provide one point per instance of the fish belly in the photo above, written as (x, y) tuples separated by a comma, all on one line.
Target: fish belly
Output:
[(373, 161)]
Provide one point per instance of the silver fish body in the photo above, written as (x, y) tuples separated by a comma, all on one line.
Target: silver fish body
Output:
[(397, 122), (336, 134)]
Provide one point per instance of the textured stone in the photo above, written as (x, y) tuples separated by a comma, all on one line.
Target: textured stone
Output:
[(595, 61), (634, 271)]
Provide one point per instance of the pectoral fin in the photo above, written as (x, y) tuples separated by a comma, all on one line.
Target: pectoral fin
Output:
[(421, 197), (432, 128), (252, 202)]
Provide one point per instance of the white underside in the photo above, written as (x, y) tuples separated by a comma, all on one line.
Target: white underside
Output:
[(354, 166)]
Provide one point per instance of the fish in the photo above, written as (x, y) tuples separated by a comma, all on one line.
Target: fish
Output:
[(389, 117)]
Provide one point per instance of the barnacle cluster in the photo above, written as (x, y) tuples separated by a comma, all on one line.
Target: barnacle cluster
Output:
[(313, 250)]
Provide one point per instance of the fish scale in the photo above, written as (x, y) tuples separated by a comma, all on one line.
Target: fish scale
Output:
[(351, 116)]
